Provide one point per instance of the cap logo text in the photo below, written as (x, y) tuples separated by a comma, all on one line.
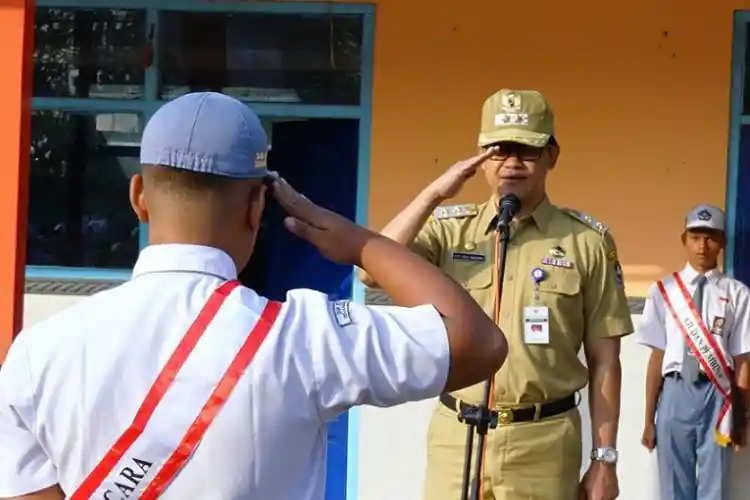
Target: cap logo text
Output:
[(261, 160), (502, 119)]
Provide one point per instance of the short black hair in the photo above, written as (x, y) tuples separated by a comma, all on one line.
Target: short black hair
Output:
[(186, 182)]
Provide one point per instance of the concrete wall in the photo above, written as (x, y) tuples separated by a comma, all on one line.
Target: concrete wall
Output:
[(39, 307), (392, 441)]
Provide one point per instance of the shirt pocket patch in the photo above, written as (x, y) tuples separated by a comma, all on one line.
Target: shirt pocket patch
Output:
[(560, 285)]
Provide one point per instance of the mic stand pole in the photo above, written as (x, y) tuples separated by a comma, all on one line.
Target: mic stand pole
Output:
[(480, 418)]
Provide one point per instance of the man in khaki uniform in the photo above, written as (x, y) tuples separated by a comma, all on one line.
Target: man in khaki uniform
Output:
[(562, 289)]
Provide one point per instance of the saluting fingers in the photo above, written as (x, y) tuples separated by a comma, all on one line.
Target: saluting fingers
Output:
[(481, 158), (288, 197), (472, 164), (468, 168), (298, 206)]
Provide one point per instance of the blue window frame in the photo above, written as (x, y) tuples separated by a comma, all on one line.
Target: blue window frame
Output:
[(738, 171), (127, 80), (128, 92)]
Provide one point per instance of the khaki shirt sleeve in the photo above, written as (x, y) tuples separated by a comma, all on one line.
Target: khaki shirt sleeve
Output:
[(429, 242), (605, 303)]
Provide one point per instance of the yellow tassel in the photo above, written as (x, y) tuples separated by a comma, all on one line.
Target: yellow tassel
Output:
[(722, 439)]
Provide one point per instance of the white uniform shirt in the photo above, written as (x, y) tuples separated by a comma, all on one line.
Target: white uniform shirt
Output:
[(723, 297), (72, 384)]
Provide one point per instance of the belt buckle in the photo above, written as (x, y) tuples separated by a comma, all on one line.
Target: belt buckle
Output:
[(504, 417)]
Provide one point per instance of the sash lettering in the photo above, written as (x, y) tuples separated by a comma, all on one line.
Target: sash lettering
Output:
[(173, 418), (709, 353), (130, 478)]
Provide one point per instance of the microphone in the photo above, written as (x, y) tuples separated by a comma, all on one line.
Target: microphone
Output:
[(508, 207)]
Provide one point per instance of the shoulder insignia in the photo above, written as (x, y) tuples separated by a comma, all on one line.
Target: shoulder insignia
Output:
[(455, 212), (586, 220)]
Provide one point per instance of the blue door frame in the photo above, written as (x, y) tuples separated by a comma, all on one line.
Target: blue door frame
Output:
[(146, 107), (738, 168)]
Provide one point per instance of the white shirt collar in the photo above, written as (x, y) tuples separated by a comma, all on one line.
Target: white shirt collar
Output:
[(691, 275), (185, 258)]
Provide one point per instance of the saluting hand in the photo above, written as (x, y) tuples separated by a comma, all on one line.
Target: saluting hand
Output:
[(336, 237), (450, 183)]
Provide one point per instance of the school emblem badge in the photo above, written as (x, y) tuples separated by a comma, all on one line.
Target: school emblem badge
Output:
[(511, 102), (511, 111)]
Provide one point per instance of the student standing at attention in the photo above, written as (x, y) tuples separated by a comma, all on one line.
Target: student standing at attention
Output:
[(697, 324)]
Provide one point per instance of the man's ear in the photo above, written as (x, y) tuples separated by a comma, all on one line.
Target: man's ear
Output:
[(554, 154), (138, 198), (256, 205)]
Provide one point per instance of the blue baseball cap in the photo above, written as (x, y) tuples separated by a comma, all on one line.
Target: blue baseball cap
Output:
[(207, 132)]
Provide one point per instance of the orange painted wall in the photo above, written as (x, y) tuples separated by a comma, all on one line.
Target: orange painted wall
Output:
[(16, 28), (641, 93)]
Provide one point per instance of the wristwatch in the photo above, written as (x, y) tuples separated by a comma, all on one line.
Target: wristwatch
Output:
[(605, 454)]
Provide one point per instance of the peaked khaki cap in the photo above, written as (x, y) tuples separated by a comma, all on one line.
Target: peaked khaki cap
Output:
[(522, 116)]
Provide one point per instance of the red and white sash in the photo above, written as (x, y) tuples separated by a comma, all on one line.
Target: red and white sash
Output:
[(709, 353), (174, 416)]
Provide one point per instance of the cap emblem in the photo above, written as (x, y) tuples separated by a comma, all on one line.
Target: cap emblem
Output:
[(511, 111), (511, 102), (704, 215)]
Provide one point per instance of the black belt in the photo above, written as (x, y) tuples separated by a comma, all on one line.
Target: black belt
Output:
[(702, 377), (507, 416)]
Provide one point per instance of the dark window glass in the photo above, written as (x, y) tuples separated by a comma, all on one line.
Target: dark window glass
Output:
[(90, 53), (742, 211), (79, 213), (311, 59)]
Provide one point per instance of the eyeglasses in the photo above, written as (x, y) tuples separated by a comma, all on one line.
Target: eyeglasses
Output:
[(523, 152)]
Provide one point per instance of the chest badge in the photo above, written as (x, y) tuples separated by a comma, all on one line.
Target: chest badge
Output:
[(566, 264), (718, 326), (557, 252), (470, 246), (538, 275)]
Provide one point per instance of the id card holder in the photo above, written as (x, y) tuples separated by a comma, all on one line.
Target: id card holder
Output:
[(536, 325)]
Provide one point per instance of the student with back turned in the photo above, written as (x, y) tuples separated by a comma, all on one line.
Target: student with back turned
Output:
[(183, 384)]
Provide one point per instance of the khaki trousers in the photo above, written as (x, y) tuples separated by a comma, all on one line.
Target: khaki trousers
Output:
[(523, 461)]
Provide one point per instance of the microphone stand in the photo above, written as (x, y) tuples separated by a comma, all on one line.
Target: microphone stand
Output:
[(479, 419)]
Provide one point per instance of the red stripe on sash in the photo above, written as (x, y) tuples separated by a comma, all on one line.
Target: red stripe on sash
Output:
[(686, 336), (702, 325), (156, 393), (215, 402)]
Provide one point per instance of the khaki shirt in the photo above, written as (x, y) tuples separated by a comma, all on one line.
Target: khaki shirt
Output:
[(586, 300)]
